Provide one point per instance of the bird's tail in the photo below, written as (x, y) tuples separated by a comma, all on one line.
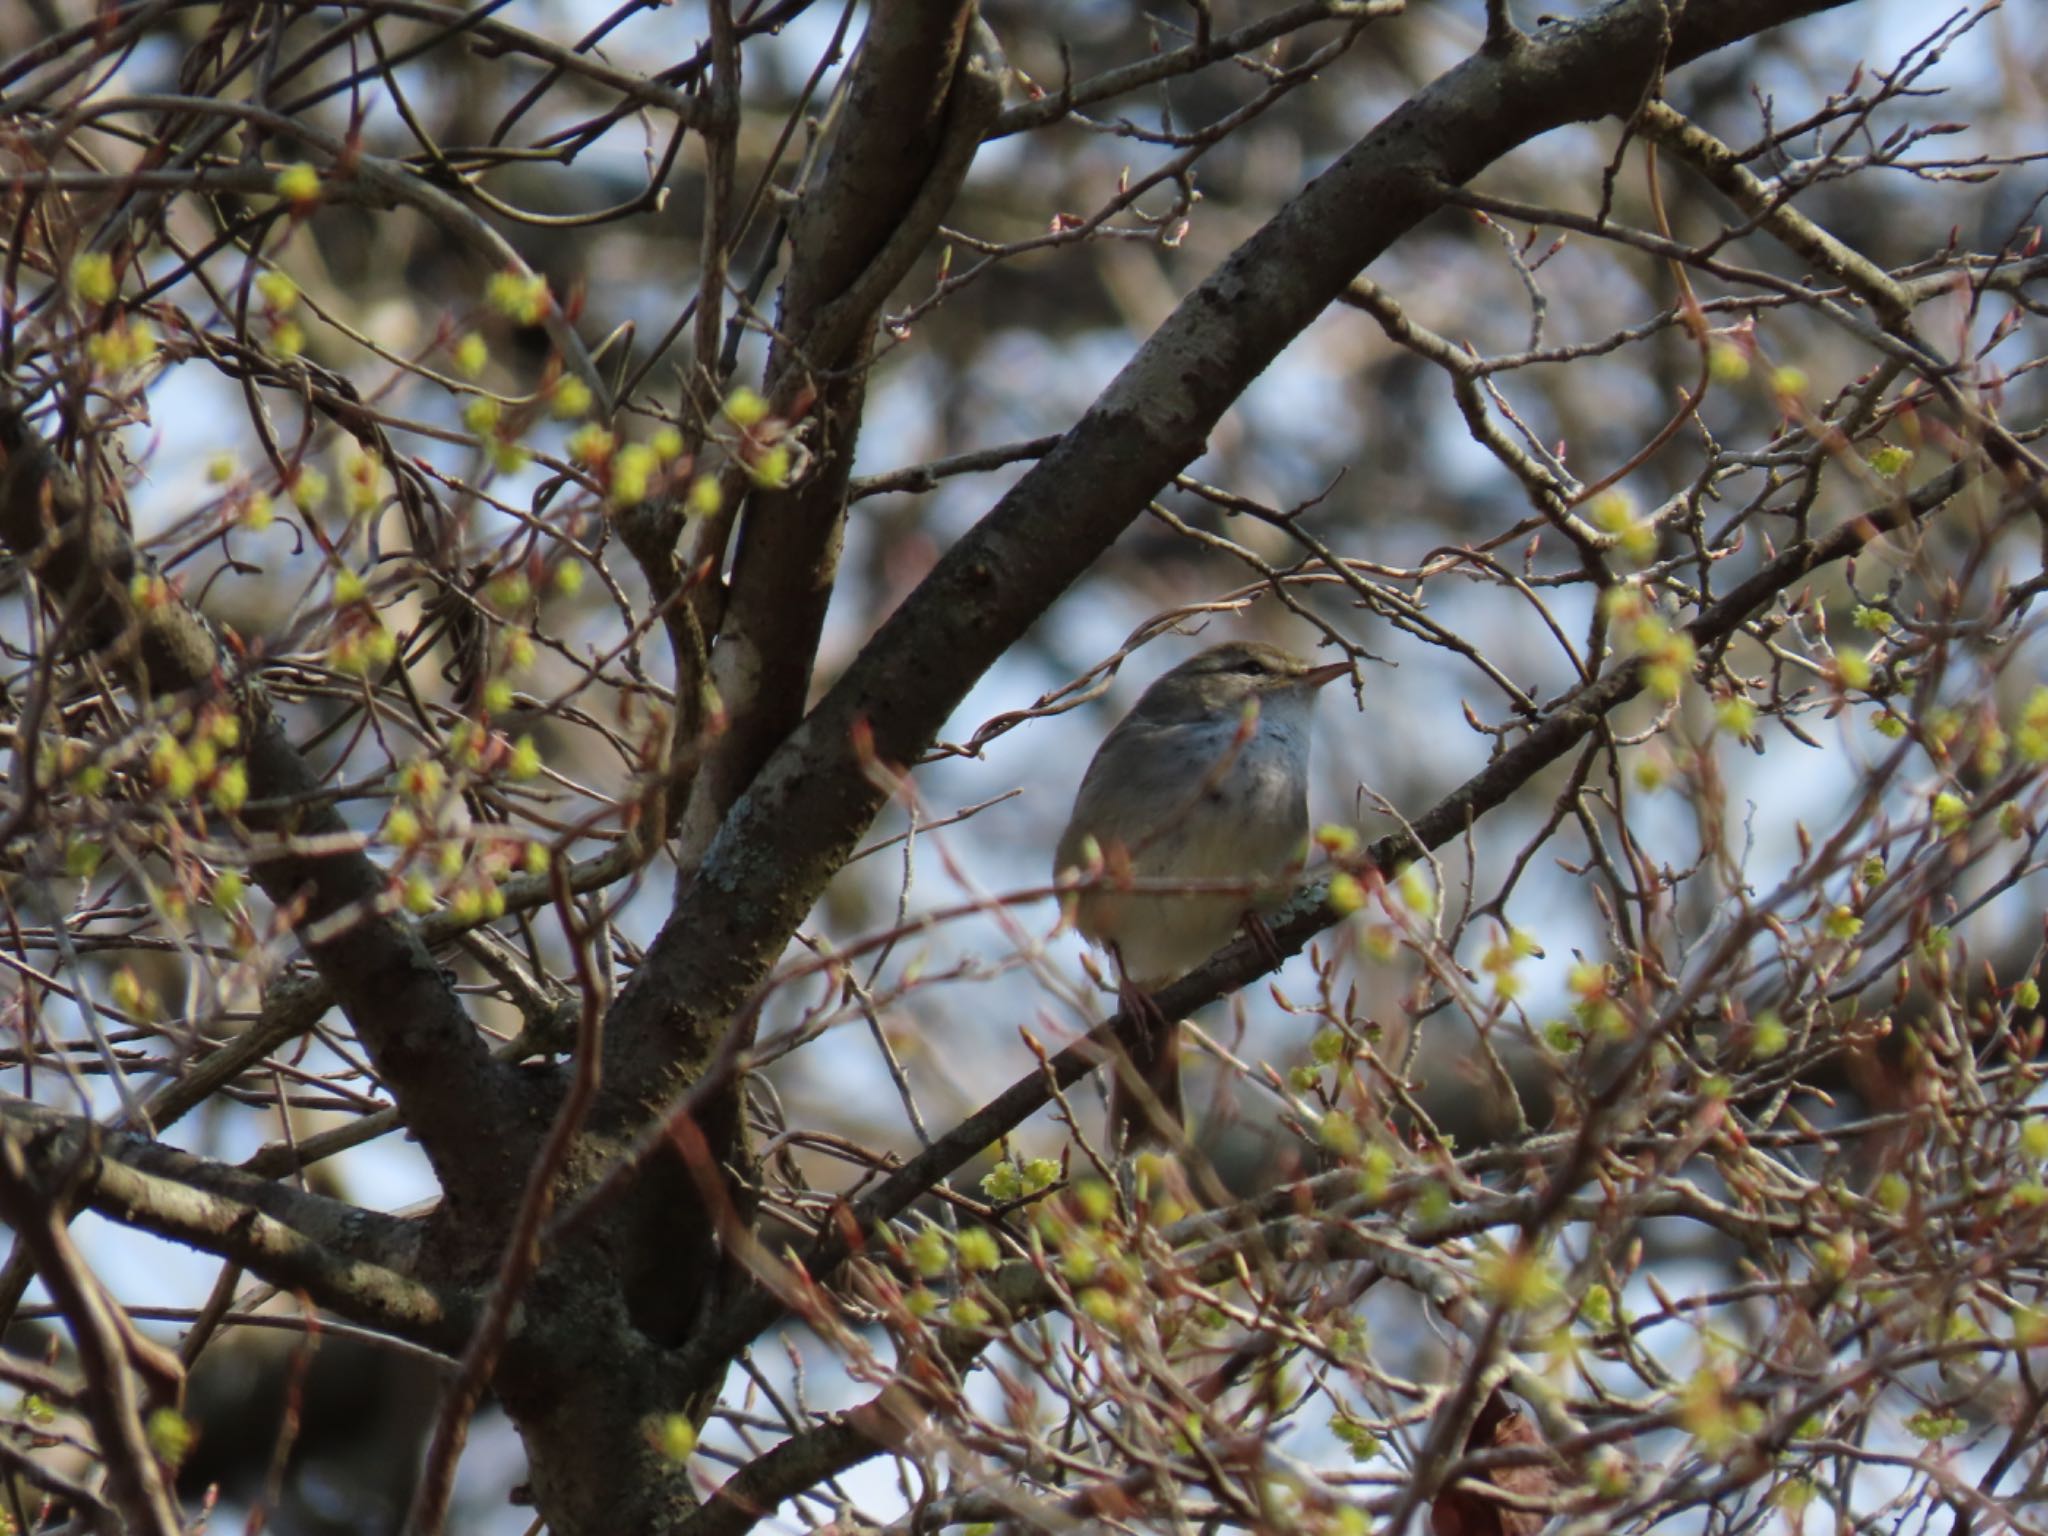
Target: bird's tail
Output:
[(1145, 1106)]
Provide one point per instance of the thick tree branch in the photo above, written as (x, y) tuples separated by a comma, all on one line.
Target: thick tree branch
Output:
[(392, 1241), (291, 1238), (927, 85), (523, 1248), (679, 1246)]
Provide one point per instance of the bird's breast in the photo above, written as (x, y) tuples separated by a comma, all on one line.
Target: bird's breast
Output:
[(1240, 810), (1199, 802)]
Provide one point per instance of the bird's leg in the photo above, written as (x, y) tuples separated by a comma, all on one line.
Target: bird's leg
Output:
[(1144, 1085), (1137, 1002), (1263, 941)]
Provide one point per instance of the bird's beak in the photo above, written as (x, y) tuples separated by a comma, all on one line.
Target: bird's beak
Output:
[(1315, 677)]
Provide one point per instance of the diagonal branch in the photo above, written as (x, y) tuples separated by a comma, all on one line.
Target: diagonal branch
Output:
[(1771, 208), (291, 1238)]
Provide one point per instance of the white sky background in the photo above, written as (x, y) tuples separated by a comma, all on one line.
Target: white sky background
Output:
[(1411, 732)]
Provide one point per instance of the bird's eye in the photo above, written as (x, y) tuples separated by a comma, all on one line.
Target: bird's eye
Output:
[(1254, 666)]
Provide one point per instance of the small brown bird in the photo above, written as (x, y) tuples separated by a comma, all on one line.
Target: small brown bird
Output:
[(1206, 779)]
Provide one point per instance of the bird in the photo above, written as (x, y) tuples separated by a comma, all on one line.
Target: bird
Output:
[(1206, 779)]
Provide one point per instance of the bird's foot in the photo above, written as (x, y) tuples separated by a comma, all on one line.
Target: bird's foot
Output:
[(1139, 1004), (1263, 941)]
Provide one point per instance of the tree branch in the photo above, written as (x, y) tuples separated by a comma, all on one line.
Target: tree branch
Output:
[(291, 1238), (459, 1102), (923, 92), (32, 1203), (1772, 211)]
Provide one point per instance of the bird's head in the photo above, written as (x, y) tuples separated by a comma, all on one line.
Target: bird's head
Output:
[(1224, 678)]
